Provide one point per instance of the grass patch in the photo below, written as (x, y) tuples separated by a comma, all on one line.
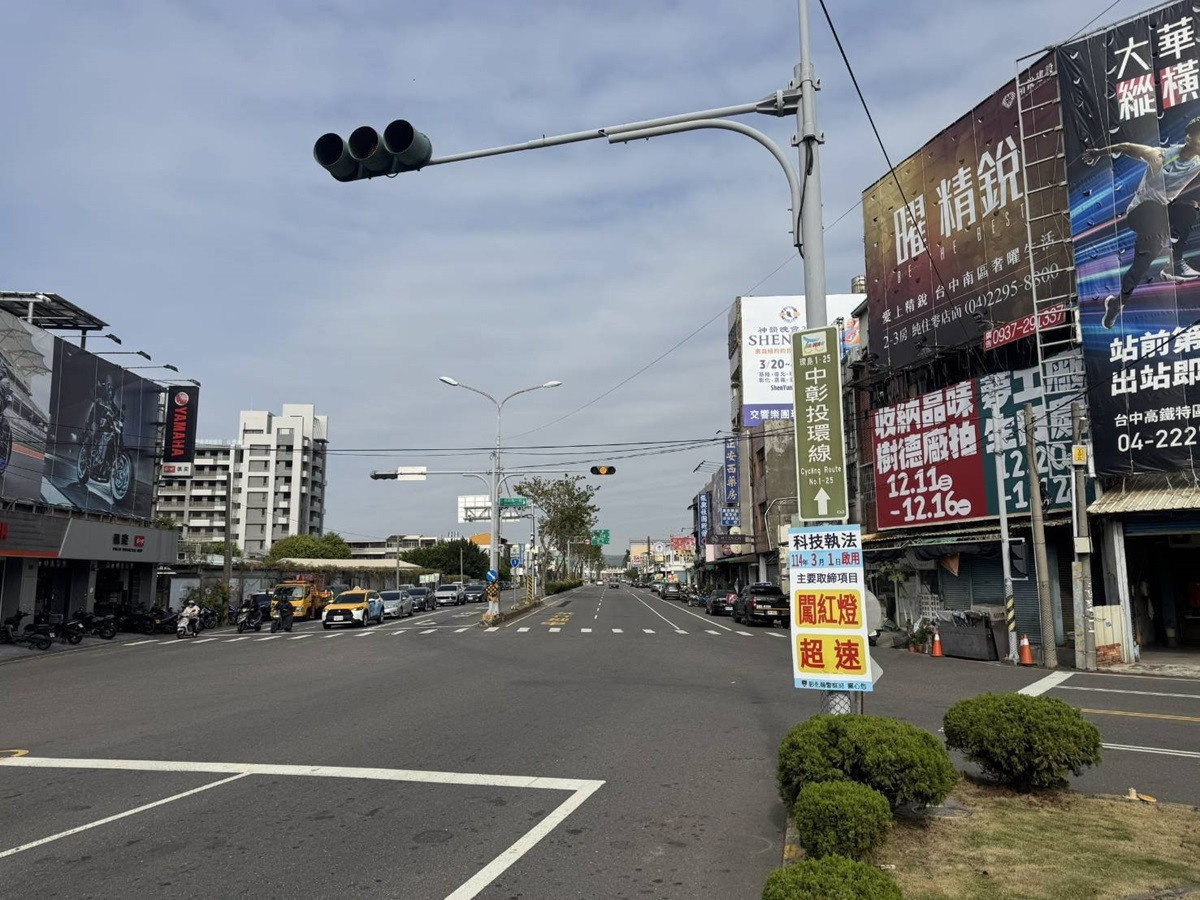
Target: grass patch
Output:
[(1058, 846)]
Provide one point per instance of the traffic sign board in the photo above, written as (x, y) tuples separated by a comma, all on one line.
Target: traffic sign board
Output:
[(492, 575), (513, 502), (820, 444), (600, 537)]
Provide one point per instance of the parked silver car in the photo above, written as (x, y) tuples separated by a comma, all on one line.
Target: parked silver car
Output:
[(396, 604)]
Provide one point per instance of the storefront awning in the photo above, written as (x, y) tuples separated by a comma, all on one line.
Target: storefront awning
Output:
[(1147, 493)]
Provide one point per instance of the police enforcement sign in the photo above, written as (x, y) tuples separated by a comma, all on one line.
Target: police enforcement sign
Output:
[(828, 617)]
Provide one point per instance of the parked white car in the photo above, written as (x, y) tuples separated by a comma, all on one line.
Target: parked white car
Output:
[(449, 595)]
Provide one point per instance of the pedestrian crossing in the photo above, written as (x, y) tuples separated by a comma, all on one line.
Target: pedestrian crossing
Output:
[(441, 633)]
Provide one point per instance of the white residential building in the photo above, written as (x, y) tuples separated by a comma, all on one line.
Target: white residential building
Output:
[(278, 467)]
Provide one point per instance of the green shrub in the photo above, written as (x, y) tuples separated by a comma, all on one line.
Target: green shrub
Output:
[(830, 878), (557, 587), (904, 763), (842, 818), (1028, 743)]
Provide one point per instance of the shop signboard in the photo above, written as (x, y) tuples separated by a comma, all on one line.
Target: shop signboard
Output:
[(1130, 95), (828, 630), (935, 455), (948, 255), (183, 410), (732, 472), (704, 515)]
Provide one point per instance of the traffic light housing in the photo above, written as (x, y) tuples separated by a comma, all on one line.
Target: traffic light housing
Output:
[(367, 153), (604, 470), (1018, 559)]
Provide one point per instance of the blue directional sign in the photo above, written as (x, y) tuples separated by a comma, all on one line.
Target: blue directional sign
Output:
[(492, 575)]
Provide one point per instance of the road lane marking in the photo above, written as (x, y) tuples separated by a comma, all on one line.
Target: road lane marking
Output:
[(1072, 687), (131, 812), (776, 634), (334, 634), (244, 637), (707, 620), (204, 640), (580, 790), (522, 629), (1140, 715), (429, 631), (656, 612), (1164, 751), (467, 628), (618, 631), (1039, 687), (585, 630), (710, 631), (680, 631), (745, 634), (400, 631), (555, 630), (364, 633), (299, 637), (137, 643), (269, 637), (493, 628), (648, 630)]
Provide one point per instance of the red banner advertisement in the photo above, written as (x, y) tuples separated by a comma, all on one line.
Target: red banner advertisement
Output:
[(929, 459)]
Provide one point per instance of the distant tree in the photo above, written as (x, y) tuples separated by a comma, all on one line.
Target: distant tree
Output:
[(566, 515), (217, 548), (444, 556), (307, 546)]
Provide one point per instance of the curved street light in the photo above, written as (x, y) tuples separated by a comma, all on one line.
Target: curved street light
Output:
[(494, 552)]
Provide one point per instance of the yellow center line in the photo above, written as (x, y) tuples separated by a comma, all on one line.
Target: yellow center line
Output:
[(1140, 715)]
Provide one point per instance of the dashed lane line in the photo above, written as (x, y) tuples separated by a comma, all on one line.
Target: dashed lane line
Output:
[(299, 637), (777, 634), (204, 640), (707, 620), (136, 643), (429, 631), (680, 631), (555, 630), (468, 628), (585, 630), (522, 629), (648, 630), (745, 634), (618, 631), (710, 631), (493, 628)]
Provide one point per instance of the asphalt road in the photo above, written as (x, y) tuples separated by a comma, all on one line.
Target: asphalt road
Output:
[(614, 745)]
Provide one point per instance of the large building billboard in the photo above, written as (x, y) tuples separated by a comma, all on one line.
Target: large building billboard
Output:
[(947, 252), (1131, 116), (935, 455), (75, 430), (767, 326)]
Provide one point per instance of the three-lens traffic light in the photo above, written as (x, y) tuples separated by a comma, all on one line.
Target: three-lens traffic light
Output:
[(604, 470), (367, 153)]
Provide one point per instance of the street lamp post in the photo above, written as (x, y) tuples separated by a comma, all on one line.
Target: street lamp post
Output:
[(494, 550)]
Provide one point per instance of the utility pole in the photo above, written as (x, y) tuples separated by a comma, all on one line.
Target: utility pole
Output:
[(229, 531), (1045, 601), (1085, 616), (1010, 609)]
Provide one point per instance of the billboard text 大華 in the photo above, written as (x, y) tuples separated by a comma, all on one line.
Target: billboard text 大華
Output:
[(75, 430), (936, 455), (948, 255), (1131, 119)]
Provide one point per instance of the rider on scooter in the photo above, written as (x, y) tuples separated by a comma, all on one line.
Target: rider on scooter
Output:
[(189, 618)]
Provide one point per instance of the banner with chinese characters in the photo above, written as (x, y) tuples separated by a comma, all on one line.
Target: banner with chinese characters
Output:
[(703, 517), (820, 448), (936, 455), (732, 472), (1130, 97), (947, 253), (828, 615)]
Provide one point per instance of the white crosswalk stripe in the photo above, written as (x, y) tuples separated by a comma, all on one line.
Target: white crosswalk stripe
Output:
[(648, 630), (522, 629), (710, 631), (299, 637), (618, 631), (555, 630), (429, 631), (745, 634), (585, 631), (461, 630)]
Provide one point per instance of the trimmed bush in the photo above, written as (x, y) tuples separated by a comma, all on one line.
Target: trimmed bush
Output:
[(830, 878), (842, 818), (904, 763), (557, 587), (1028, 743)]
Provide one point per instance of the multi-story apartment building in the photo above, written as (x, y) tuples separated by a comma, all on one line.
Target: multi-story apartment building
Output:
[(276, 468), (390, 547)]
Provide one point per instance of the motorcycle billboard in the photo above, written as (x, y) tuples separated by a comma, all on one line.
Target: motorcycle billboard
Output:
[(75, 430)]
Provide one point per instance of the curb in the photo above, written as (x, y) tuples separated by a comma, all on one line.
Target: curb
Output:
[(509, 614)]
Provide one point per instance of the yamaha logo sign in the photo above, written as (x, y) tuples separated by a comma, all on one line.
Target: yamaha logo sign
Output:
[(180, 448)]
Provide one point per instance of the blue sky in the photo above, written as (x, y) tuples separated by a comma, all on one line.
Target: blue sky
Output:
[(157, 171)]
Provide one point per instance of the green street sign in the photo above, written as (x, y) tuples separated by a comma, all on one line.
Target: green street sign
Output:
[(600, 537), (513, 502), (820, 443)]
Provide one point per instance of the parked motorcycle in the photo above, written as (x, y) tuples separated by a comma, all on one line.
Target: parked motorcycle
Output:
[(104, 626), (208, 618), (281, 616), (69, 631), (9, 634), (102, 454), (160, 621), (249, 617)]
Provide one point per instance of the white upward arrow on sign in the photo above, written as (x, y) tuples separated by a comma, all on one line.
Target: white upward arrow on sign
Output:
[(822, 499)]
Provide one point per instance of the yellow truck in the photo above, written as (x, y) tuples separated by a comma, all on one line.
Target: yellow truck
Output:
[(308, 596)]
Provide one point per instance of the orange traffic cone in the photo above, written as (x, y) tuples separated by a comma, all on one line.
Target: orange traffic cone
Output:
[(937, 644), (1026, 654)]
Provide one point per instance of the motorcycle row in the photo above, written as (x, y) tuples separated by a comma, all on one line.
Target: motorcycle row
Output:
[(41, 633)]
